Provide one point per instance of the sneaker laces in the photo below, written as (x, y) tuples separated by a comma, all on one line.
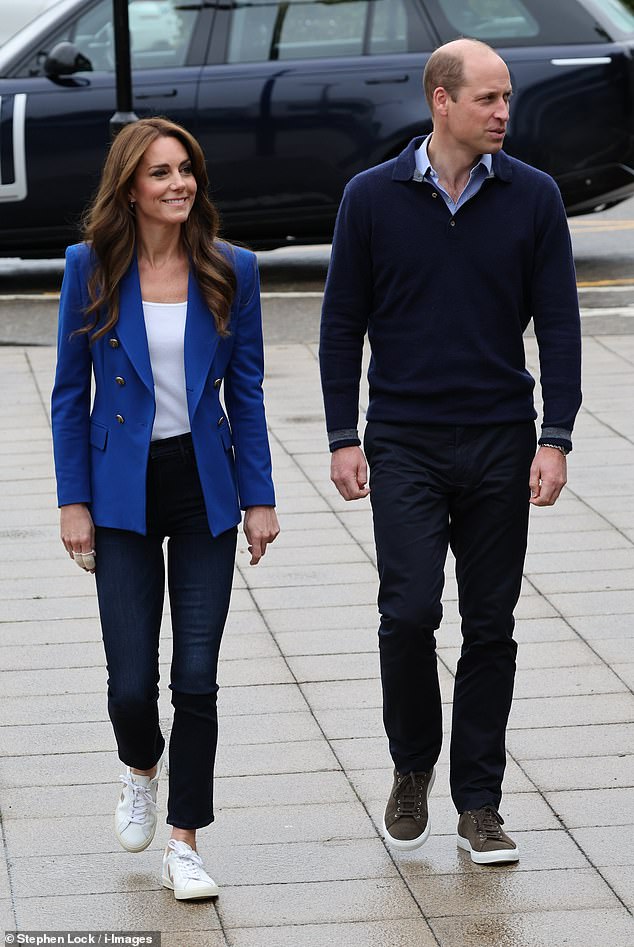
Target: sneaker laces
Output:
[(189, 861), (141, 799), (408, 793), (488, 821)]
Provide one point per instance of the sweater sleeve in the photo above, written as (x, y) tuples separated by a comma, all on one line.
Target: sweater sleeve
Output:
[(344, 320), (555, 310)]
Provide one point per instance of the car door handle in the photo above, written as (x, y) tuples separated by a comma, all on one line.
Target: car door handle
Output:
[(583, 61), (157, 94), (387, 80)]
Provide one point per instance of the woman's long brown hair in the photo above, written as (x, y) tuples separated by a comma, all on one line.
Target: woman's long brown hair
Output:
[(110, 228)]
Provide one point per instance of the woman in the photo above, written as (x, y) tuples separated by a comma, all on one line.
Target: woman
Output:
[(160, 312)]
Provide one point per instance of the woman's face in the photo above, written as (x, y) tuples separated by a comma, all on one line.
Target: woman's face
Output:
[(163, 186)]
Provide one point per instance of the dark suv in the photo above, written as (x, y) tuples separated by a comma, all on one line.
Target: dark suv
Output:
[(290, 98)]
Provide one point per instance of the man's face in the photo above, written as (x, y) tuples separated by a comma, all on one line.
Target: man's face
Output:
[(477, 119)]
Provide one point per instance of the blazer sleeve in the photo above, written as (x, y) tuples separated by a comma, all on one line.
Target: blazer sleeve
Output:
[(244, 398), (70, 401)]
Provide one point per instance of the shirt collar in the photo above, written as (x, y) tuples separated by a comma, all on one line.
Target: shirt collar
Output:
[(424, 166)]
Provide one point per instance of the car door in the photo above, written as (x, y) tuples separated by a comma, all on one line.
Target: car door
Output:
[(64, 121), (297, 97)]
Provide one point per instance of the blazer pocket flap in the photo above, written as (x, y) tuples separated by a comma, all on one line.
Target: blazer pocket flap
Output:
[(98, 435)]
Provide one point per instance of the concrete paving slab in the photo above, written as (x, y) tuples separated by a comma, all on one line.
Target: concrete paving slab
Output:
[(319, 787), (555, 654), (571, 604), (532, 630), (400, 933), (346, 667), (563, 682), (575, 741), (578, 928), (625, 673), (255, 760), (499, 892), (622, 884), (327, 695), (320, 617), (597, 627), (339, 641), (129, 911), (359, 593), (592, 807), (606, 845), (563, 711), (591, 772), (259, 698), (320, 902)]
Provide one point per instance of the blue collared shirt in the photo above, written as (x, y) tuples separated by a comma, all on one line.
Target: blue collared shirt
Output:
[(479, 174)]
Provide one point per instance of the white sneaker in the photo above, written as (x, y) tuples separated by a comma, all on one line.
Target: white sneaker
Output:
[(135, 815), (184, 874)]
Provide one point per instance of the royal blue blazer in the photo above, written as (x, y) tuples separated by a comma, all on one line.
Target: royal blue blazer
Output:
[(101, 452)]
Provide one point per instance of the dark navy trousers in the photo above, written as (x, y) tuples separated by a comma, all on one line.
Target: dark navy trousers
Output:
[(434, 487), (130, 576)]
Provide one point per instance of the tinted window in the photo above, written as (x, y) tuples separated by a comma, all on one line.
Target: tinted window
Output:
[(489, 19), (304, 29), (516, 22), (616, 15), (160, 33)]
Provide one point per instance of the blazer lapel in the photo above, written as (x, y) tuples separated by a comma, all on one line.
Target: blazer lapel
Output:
[(201, 342), (131, 326)]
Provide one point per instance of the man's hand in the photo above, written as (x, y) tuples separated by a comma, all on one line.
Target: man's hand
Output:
[(78, 534), (349, 473), (548, 476), (261, 528)]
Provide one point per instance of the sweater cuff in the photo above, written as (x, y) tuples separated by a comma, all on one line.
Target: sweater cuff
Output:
[(348, 437), (557, 436)]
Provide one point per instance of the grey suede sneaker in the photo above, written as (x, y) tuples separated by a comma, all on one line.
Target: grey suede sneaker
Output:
[(480, 833), (406, 822)]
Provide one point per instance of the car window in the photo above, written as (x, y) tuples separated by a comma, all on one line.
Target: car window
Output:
[(304, 29), (516, 22), (618, 16), (160, 34), (490, 18)]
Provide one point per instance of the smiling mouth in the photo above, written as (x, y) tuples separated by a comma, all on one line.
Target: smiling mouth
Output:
[(175, 200)]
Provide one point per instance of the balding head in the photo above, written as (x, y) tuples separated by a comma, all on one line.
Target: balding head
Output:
[(447, 66)]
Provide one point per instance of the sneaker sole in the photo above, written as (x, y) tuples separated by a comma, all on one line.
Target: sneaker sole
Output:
[(136, 848), (488, 858), (183, 895), (408, 845)]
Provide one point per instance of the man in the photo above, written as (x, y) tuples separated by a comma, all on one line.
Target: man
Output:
[(443, 255)]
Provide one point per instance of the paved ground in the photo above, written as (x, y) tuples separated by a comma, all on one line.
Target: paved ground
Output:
[(303, 769)]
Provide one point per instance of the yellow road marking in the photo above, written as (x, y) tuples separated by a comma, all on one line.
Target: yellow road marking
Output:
[(596, 226), (583, 284)]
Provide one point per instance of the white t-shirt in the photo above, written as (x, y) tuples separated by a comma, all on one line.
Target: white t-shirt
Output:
[(165, 328)]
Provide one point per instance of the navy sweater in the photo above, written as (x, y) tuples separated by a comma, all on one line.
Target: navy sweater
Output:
[(445, 301)]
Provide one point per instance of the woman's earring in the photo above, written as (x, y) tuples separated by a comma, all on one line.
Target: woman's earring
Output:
[(131, 205)]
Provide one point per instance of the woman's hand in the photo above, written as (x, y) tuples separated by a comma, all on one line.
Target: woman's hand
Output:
[(78, 534), (261, 528)]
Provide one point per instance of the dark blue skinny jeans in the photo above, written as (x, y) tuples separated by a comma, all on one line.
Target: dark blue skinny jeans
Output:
[(130, 578), (434, 487)]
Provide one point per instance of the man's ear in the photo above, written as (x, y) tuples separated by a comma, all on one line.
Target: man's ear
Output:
[(440, 99)]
